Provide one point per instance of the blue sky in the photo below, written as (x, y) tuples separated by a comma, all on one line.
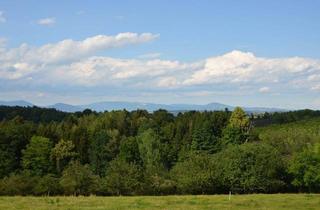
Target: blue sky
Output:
[(253, 53)]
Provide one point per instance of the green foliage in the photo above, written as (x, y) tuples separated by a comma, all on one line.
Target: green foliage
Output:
[(237, 131), (47, 185), (149, 148), (305, 168), (285, 117), (233, 135), (195, 174), (78, 179), (17, 184), (62, 151), (292, 137), (204, 140), (98, 154), (157, 153), (251, 167), (36, 156), (239, 119), (14, 136), (34, 114), (157, 181), (123, 178), (129, 150)]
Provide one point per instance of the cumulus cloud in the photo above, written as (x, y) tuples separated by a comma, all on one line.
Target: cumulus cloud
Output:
[(106, 70), (75, 63), (21, 61), (47, 21), (242, 67), (2, 17), (72, 61)]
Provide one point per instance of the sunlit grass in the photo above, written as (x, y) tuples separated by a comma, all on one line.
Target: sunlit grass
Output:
[(255, 201)]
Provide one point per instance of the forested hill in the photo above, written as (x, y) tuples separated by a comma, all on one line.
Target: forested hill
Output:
[(284, 117), (34, 114), (44, 151), (38, 114)]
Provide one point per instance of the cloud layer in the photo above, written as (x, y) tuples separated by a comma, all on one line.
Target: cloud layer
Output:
[(76, 64)]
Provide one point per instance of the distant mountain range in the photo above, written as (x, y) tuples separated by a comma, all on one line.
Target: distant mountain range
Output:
[(16, 103), (119, 105)]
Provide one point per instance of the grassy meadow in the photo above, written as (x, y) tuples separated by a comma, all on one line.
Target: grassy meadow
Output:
[(253, 201)]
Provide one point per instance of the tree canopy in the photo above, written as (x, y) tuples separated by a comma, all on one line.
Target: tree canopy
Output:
[(159, 153)]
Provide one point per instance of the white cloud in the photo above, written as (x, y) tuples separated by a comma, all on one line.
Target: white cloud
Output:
[(66, 51), (105, 70), (72, 62), (244, 67), (232, 70), (47, 21), (75, 64), (167, 82), (264, 90), (2, 17)]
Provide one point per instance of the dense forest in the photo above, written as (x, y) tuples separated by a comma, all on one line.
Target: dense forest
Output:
[(48, 152)]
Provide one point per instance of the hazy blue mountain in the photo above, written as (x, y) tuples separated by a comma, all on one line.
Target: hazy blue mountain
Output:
[(119, 105), (66, 107), (16, 103)]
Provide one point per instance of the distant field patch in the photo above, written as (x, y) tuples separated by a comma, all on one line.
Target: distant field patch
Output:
[(254, 202)]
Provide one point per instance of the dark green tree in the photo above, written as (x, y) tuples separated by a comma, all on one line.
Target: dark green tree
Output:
[(78, 179), (250, 167), (195, 174), (129, 150), (123, 178), (14, 136), (98, 154), (203, 139), (47, 185), (36, 156)]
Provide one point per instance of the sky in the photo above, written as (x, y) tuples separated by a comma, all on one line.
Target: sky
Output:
[(245, 53)]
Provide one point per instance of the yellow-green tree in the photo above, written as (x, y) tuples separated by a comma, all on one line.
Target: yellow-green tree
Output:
[(239, 119), (62, 150), (237, 131)]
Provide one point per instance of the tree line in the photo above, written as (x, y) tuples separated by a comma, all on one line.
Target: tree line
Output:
[(141, 153)]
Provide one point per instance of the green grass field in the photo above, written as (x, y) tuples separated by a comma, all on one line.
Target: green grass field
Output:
[(257, 201)]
